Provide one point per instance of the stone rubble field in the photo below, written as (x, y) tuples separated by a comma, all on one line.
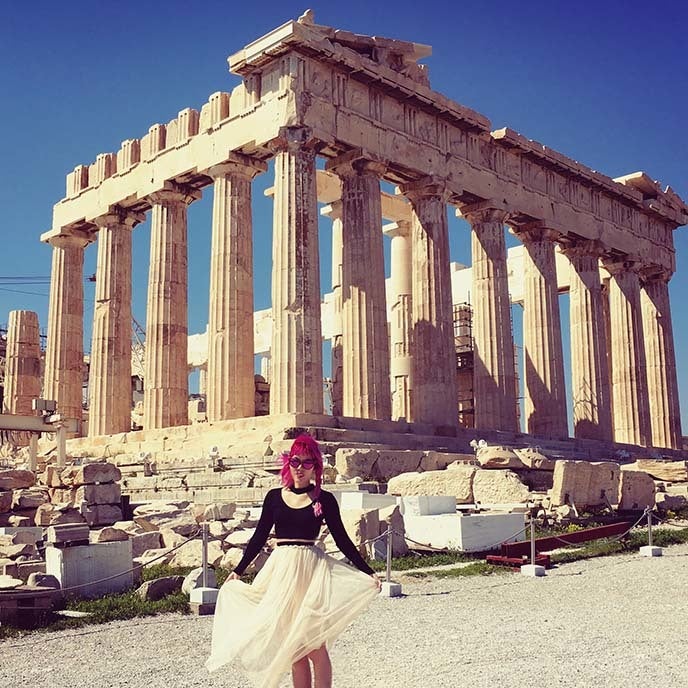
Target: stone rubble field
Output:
[(612, 622)]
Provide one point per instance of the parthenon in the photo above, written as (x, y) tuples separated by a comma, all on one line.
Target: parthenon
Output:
[(364, 105)]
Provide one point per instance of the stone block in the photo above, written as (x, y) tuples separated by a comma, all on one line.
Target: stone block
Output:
[(636, 490), (52, 476), (159, 588), (437, 461), (219, 512), (5, 501), (30, 498), (498, 457), (585, 484), (144, 541), (191, 554), (93, 567), (59, 534), (361, 525), (533, 458), (106, 493), (91, 473), (391, 463), (391, 516), (364, 500), (669, 471), (498, 487), (108, 534), (56, 514), (153, 557), (16, 479), (428, 505), (62, 495), (194, 579), (352, 463), (27, 568), (182, 521), (457, 482), (102, 514), (670, 502), (23, 535)]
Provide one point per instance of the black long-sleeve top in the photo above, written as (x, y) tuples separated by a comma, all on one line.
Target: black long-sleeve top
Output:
[(300, 524)]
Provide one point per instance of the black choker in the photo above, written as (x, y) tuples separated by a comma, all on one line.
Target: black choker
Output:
[(300, 490)]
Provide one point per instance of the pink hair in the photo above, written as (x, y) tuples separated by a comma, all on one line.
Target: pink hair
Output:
[(304, 446)]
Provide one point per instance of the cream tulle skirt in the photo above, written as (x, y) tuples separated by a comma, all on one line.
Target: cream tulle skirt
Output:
[(301, 599)]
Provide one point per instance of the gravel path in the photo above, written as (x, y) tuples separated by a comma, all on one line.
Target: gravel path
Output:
[(614, 622)]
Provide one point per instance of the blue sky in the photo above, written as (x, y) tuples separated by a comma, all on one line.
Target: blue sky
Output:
[(604, 82)]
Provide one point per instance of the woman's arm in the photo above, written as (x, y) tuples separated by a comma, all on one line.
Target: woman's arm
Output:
[(260, 537), (334, 522)]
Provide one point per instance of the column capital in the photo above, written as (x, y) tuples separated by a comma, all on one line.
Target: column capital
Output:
[(294, 140), (74, 239), (119, 217), (173, 193), (237, 164), (400, 228), (333, 210), (531, 232), (655, 273), (573, 247), (485, 211), (620, 265), (432, 186), (356, 161)]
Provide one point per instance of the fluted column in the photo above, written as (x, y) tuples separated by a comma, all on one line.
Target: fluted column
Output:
[(166, 384), (662, 384), (434, 397), (631, 418), (494, 373), (64, 358), (22, 363), (592, 414), (334, 212), (110, 371), (296, 384), (230, 391), (545, 398), (400, 323), (365, 344)]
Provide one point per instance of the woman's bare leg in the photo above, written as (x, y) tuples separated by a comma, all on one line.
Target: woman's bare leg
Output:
[(301, 673), (322, 667)]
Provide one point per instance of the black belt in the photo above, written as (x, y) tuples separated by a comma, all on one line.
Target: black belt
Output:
[(295, 543)]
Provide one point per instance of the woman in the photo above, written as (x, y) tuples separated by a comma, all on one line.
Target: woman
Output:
[(301, 599)]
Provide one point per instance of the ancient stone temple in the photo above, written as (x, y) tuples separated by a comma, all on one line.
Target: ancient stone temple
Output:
[(366, 106)]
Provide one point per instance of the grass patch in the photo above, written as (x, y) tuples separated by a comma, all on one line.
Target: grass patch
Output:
[(414, 561)]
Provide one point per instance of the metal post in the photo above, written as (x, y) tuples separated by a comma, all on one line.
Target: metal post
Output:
[(649, 526), (33, 452), (389, 554), (532, 540), (61, 436), (204, 557)]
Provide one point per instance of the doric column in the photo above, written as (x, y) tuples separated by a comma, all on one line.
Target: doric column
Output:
[(494, 373), (296, 384), (110, 371), (433, 362), (545, 398), (400, 323), (22, 363), (230, 389), (334, 212), (631, 418), (662, 384), (64, 357), (166, 384), (591, 393), (365, 344)]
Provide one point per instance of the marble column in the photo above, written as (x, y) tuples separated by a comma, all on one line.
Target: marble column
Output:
[(494, 374), (400, 323), (592, 408), (662, 383), (22, 364), (64, 357), (334, 212), (631, 416), (545, 389), (434, 397), (365, 342), (296, 384), (230, 389), (110, 372), (166, 383)]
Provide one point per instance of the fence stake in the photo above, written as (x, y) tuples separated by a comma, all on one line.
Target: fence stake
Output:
[(648, 550), (532, 569)]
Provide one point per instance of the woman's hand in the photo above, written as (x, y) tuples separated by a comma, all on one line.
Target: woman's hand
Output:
[(233, 576), (377, 580)]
